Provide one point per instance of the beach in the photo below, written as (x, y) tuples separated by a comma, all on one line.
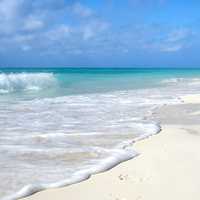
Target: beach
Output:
[(166, 167), (63, 127), (99, 100)]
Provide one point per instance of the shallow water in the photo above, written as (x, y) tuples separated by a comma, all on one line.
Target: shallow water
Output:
[(58, 126)]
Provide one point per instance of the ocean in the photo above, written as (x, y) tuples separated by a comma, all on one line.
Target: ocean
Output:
[(58, 126)]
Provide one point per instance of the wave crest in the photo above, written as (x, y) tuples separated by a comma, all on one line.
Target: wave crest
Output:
[(25, 81)]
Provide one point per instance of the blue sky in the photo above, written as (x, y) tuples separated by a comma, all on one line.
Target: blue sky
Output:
[(115, 33)]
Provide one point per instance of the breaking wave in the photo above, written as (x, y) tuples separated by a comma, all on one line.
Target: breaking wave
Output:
[(15, 82), (188, 81)]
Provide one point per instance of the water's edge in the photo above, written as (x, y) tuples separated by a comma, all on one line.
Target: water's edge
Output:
[(121, 153), (125, 153)]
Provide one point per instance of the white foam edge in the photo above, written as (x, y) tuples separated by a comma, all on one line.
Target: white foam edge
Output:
[(124, 153)]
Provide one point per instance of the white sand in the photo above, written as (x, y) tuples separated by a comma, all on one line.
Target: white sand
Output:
[(167, 168), (192, 98)]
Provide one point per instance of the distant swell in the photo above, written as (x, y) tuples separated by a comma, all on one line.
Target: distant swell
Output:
[(15, 82)]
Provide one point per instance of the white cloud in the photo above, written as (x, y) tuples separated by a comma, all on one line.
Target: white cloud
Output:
[(178, 35), (80, 10), (25, 48), (93, 28), (59, 32), (9, 8), (9, 15), (23, 38), (32, 24), (173, 48), (171, 40), (176, 40), (76, 29)]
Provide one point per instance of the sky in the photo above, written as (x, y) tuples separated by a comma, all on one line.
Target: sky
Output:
[(104, 33)]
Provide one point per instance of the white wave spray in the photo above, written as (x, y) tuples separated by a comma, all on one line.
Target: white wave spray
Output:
[(15, 82)]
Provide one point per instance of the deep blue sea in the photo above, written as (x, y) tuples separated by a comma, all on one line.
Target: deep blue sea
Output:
[(60, 125)]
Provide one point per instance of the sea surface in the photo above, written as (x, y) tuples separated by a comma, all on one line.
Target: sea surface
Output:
[(60, 125)]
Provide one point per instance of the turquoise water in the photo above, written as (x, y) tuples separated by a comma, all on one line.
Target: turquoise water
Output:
[(59, 126), (68, 81)]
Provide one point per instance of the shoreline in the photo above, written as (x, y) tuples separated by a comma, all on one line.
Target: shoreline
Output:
[(151, 174)]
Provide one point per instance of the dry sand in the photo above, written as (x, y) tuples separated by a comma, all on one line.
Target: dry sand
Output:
[(167, 167)]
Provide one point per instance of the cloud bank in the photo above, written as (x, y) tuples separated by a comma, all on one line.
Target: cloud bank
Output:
[(76, 30)]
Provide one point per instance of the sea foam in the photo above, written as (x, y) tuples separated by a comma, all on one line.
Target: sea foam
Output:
[(59, 141), (15, 82)]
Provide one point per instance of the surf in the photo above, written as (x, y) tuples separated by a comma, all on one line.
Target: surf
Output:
[(16, 82)]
